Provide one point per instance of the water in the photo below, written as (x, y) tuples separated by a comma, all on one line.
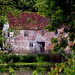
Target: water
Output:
[(25, 70)]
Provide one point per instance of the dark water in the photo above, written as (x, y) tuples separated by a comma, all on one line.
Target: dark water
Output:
[(25, 70)]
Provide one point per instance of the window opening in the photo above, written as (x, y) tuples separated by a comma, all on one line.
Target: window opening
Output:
[(25, 34), (56, 31), (66, 41), (8, 34), (31, 44)]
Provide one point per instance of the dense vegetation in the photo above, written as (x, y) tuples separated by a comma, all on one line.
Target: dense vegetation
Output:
[(15, 6), (62, 65), (60, 12), (13, 58)]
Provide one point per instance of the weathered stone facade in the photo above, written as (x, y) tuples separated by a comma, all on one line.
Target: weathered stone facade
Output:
[(30, 41), (32, 38)]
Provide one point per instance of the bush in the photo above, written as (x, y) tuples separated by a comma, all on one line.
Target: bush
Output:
[(16, 58), (39, 57), (63, 68), (48, 57), (3, 57), (28, 58)]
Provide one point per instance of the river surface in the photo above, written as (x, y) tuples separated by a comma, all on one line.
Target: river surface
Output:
[(25, 70)]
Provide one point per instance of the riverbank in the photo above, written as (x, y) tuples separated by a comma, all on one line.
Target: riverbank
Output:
[(38, 63)]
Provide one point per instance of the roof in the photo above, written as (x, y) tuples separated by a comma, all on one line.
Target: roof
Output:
[(28, 21)]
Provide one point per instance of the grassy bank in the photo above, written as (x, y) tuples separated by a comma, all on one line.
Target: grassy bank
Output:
[(38, 63), (21, 63)]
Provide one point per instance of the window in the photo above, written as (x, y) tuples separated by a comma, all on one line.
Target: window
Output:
[(56, 44), (8, 34), (31, 44), (56, 31), (42, 31), (66, 41), (25, 34)]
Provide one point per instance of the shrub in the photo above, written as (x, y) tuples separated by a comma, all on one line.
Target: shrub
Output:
[(11, 71), (2, 69), (48, 57), (34, 73), (16, 58), (28, 58), (39, 58), (64, 68), (4, 57)]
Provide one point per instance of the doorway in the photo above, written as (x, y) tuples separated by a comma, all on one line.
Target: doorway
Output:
[(41, 46)]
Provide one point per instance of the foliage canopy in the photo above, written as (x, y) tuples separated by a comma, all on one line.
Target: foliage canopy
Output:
[(60, 12)]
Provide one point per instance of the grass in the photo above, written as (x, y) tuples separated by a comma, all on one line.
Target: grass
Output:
[(3, 64), (38, 63)]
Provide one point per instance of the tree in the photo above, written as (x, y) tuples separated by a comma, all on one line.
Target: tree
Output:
[(60, 12), (15, 6)]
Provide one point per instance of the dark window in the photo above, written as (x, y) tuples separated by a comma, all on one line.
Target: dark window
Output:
[(66, 41), (8, 34), (57, 44), (25, 34), (31, 44), (43, 33), (56, 31)]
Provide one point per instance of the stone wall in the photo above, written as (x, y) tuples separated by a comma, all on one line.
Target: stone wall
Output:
[(21, 42)]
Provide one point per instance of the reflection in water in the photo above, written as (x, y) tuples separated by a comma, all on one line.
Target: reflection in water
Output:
[(24, 73), (26, 69), (21, 73)]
